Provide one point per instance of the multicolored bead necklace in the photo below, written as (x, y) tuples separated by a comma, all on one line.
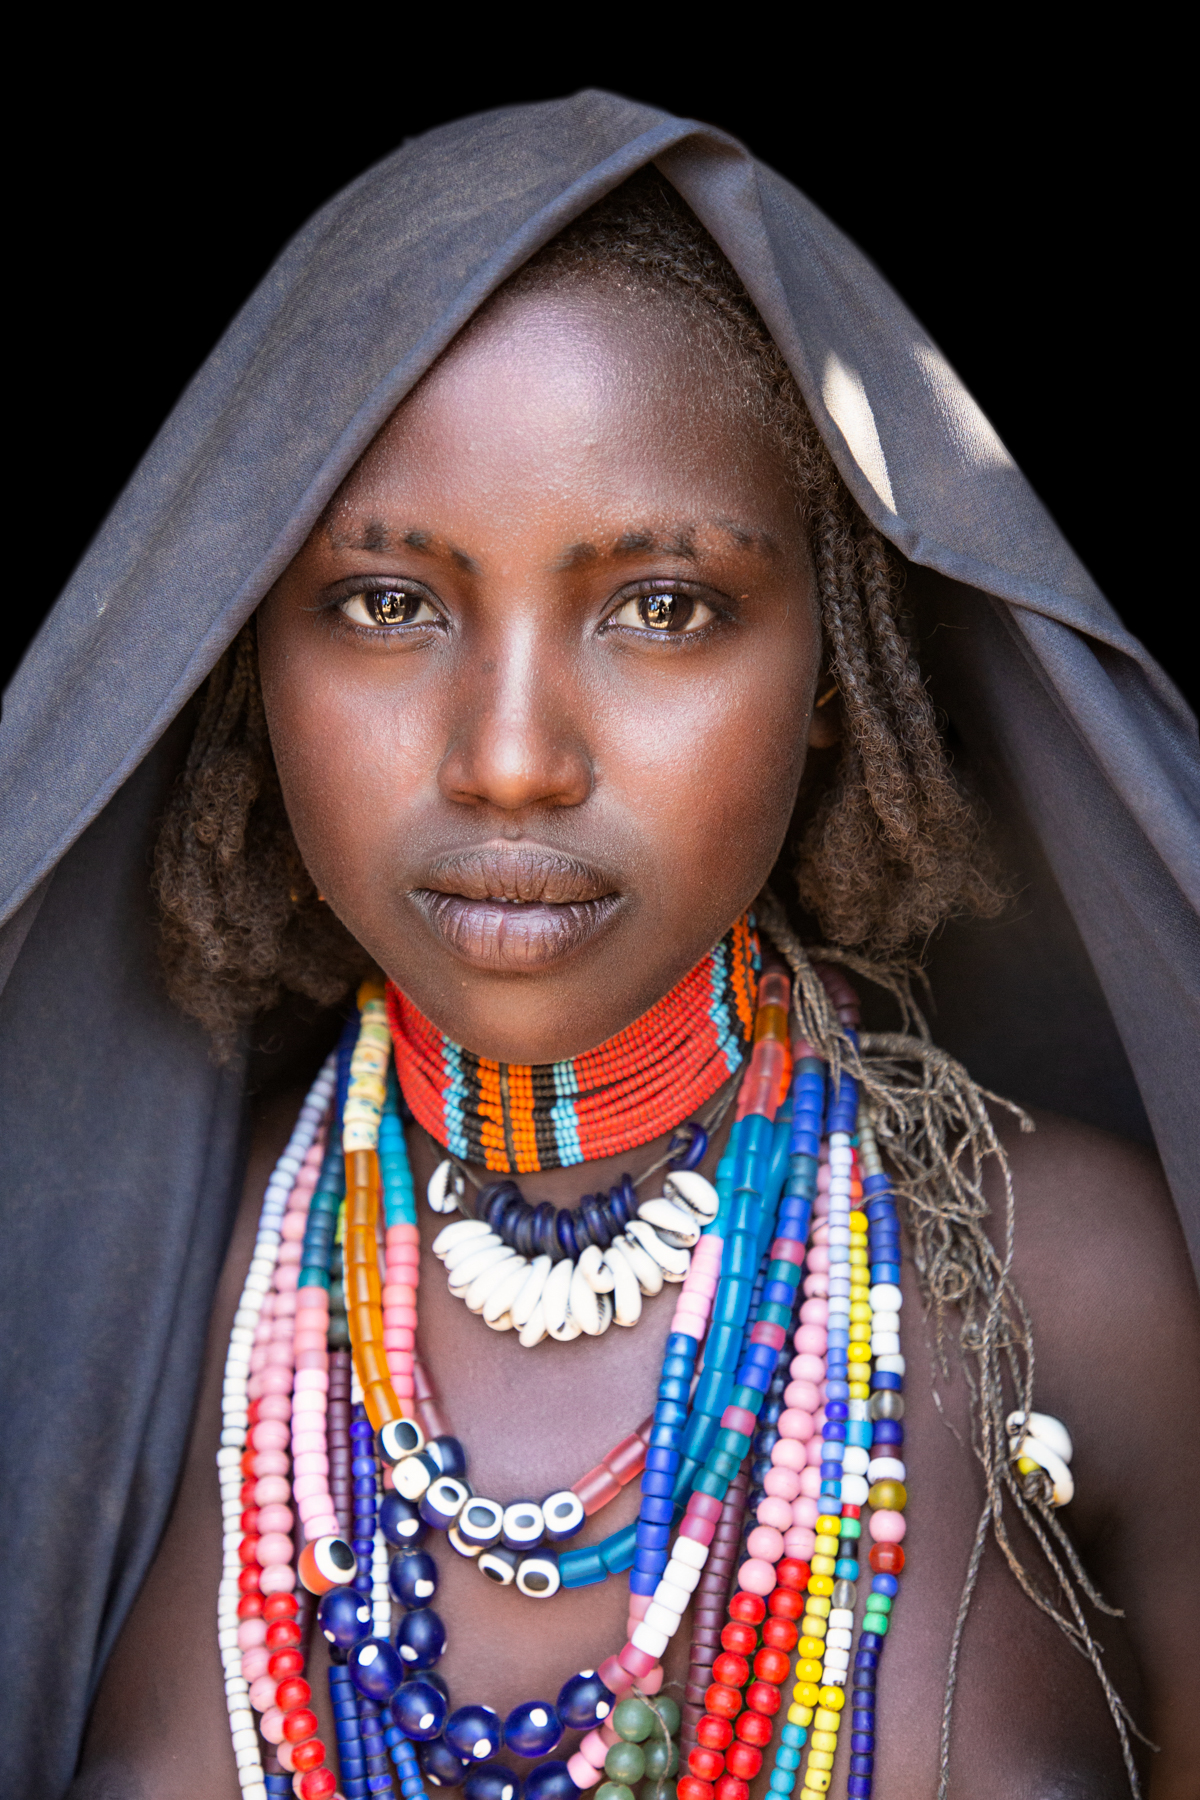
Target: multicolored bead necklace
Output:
[(802, 1448)]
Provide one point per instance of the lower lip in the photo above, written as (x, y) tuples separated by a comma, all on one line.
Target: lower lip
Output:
[(505, 937)]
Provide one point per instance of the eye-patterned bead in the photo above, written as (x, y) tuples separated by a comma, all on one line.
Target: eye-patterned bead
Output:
[(499, 1565), (456, 1543), (538, 1576), (400, 1438), (413, 1579), (584, 1701), (344, 1617), (400, 1522), (492, 1781), (443, 1500), (532, 1729), (563, 1514), (481, 1522), (475, 1732), (419, 1709), (449, 1455), (375, 1669), (440, 1765), (414, 1474), (327, 1562), (523, 1526), (420, 1638)]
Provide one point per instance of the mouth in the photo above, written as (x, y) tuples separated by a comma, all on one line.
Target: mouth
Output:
[(514, 907)]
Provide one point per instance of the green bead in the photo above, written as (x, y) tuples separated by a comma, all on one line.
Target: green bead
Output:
[(850, 1528), (668, 1712), (662, 1759), (879, 1603), (613, 1790), (632, 1720), (876, 1621), (625, 1762)]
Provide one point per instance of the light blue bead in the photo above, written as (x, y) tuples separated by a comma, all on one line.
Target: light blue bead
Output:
[(783, 1780), (796, 1736), (787, 1757)]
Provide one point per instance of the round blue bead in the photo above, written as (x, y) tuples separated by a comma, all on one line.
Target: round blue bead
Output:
[(375, 1668), (862, 1743), (440, 1766), (420, 1638), (550, 1781), (449, 1454), (885, 1584), (400, 1522), (413, 1579), (532, 1729), (492, 1781), (475, 1732), (889, 1431), (583, 1701), (344, 1618), (837, 1409), (419, 1709)]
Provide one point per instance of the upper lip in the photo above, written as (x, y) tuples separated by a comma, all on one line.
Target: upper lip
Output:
[(517, 871)]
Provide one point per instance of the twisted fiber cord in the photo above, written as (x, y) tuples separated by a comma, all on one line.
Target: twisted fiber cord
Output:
[(932, 1122)]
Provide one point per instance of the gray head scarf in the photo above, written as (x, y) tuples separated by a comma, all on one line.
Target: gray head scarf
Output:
[(122, 1141)]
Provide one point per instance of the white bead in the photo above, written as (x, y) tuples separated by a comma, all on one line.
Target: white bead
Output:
[(626, 1293), (891, 1365), (241, 1719), (675, 1599), (687, 1550), (837, 1661), (886, 1297), (649, 1273), (841, 1618), (885, 1343), (838, 1640), (663, 1618), (646, 1638), (884, 1468), (1043, 1426), (854, 1490), (884, 1319), (676, 1225), (670, 1260), (854, 1462), (681, 1574), (227, 1639), (530, 1291), (694, 1190)]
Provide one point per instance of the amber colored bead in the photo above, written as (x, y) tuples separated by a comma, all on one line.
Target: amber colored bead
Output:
[(791, 1572), (772, 1665), (299, 1725), (754, 1728), (691, 1787), (743, 1760), (292, 1693), (725, 1702), (372, 1364), (381, 1404), (285, 1663), (786, 1603), (780, 1634), (741, 1639), (889, 1496), (281, 1606), (706, 1764), (713, 1733), (250, 1606), (748, 1607), (309, 1755), (764, 1697), (887, 1559), (359, 1291), (250, 1579), (730, 1670), (731, 1787)]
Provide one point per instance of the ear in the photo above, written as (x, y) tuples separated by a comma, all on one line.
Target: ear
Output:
[(825, 725)]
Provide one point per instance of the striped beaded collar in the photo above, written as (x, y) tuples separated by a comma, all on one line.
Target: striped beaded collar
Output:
[(516, 1119)]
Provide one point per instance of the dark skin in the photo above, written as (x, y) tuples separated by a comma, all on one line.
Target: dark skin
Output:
[(537, 809)]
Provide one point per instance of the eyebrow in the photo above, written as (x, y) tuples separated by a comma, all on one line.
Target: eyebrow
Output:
[(375, 536), (679, 540)]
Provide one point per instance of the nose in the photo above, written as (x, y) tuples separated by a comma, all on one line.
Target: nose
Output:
[(518, 741)]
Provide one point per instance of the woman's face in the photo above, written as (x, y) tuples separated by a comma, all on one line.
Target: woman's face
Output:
[(540, 682)]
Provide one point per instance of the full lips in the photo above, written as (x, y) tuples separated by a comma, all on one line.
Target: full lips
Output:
[(510, 935)]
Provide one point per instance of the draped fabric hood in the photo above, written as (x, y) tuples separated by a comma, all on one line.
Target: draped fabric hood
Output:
[(122, 1141)]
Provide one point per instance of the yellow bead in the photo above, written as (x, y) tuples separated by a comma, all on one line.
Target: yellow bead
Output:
[(809, 1668), (811, 1789), (858, 1221), (824, 1740), (860, 1332), (859, 1390), (823, 1565), (888, 1496), (820, 1584), (812, 1648), (828, 1525), (819, 1604), (819, 1760), (799, 1715), (833, 1697), (806, 1693), (826, 1720), (1027, 1465), (861, 1311), (858, 1353), (814, 1625)]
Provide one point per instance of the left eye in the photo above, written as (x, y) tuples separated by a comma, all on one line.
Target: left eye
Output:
[(387, 606), (663, 613)]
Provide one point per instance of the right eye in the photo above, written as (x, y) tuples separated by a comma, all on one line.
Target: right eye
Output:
[(376, 607)]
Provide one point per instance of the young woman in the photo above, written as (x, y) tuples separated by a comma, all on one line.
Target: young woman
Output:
[(558, 549)]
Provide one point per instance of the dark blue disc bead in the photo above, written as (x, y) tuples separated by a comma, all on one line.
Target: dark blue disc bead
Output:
[(564, 1227), (532, 1729), (862, 1743), (583, 1701), (475, 1732), (420, 1638), (550, 1781), (449, 1455), (400, 1522), (419, 1709), (593, 1210), (545, 1238), (375, 1669), (344, 1618), (492, 1781), (522, 1233), (440, 1766), (682, 1154), (413, 1578)]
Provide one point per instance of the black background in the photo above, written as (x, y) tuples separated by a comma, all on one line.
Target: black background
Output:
[(1015, 195)]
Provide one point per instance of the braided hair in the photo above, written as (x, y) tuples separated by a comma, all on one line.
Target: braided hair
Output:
[(885, 845)]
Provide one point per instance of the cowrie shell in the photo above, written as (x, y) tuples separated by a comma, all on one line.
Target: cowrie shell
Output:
[(458, 1233), (594, 1269), (466, 1272), (693, 1190), (445, 1187), (506, 1284), (556, 1295), (534, 1328), (670, 1261), (1055, 1467), (676, 1225), (530, 1291), (649, 1273), (1045, 1427), (462, 1252), (626, 1294)]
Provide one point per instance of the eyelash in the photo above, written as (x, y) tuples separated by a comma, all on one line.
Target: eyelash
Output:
[(333, 610)]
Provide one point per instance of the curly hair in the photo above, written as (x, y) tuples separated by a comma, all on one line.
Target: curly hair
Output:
[(885, 846)]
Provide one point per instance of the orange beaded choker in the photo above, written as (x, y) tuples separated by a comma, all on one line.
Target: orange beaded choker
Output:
[(515, 1118)]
